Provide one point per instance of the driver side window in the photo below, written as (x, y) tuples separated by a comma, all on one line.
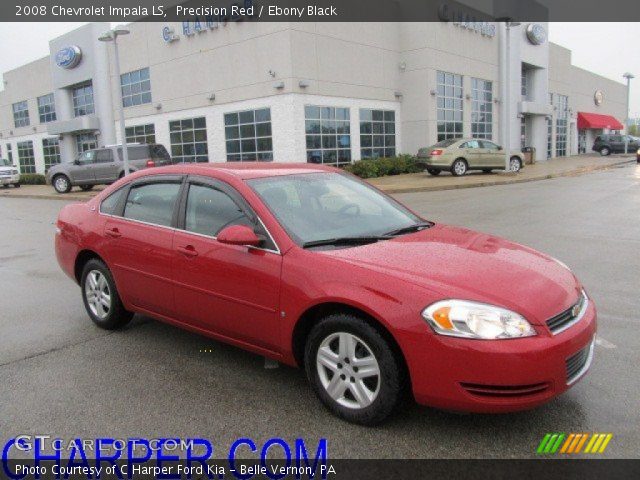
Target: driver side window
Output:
[(209, 210)]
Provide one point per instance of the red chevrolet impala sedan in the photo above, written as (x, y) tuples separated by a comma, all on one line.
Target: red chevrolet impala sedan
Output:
[(309, 266)]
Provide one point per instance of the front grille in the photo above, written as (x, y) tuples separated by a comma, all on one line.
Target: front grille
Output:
[(578, 363), (502, 391), (571, 315)]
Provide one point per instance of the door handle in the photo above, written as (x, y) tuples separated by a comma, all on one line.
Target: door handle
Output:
[(113, 232), (188, 250)]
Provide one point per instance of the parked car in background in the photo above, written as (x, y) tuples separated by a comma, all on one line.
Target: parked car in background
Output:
[(615, 143), (459, 155), (9, 174), (310, 266), (103, 166)]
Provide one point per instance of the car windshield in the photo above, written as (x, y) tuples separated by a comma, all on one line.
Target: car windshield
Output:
[(4, 162), (314, 207)]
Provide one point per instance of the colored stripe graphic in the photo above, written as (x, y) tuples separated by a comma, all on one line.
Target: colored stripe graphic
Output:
[(573, 443), (550, 443)]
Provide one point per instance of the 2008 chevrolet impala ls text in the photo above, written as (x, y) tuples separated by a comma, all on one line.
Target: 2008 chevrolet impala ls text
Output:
[(312, 267)]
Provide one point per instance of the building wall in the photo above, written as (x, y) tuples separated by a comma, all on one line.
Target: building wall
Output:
[(580, 86), (356, 65)]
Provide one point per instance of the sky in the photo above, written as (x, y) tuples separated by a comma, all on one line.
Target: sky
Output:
[(609, 49)]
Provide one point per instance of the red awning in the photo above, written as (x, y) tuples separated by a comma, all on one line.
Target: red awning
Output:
[(596, 120)]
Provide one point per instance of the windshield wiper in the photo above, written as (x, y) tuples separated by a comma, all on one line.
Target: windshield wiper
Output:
[(345, 241), (411, 228)]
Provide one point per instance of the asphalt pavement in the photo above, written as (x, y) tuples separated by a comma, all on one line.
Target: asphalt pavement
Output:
[(64, 377)]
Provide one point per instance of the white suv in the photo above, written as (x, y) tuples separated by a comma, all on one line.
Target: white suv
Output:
[(9, 174)]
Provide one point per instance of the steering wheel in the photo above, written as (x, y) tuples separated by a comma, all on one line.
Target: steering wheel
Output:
[(350, 206)]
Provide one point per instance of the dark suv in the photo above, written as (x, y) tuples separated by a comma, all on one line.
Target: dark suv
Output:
[(614, 143), (102, 166)]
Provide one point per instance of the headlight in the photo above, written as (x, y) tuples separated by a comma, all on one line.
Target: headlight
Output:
[(461, 318)]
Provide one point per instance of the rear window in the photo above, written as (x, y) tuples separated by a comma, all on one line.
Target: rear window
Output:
[(446, 143), (145, 152)]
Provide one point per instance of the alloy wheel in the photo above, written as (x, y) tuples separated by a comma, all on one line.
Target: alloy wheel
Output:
[(460, 168), (96, 290), (515, 165), (348, 370), (62, 184)]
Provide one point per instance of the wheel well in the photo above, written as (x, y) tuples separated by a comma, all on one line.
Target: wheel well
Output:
[(518, 158), (309, 318), (81, 260), (463, 159)]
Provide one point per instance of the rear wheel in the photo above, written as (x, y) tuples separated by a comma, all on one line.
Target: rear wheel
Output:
[(101, 298), (17, 185), (61, 183), (514, 164), (433, 171), (459, 167), (353, 369), (86, 188), (605, 151)]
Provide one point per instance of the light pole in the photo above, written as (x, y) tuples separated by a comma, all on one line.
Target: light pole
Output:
[(112, 36), (628, 76), (506, 109)]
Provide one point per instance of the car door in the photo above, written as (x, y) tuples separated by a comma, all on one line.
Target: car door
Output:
[(617, 143), (106, 167), (493, 155), (229, 290), (139, 242), (81, 171), (474, 154)]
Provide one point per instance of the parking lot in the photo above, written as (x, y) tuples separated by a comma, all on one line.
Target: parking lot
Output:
[(64, 377)]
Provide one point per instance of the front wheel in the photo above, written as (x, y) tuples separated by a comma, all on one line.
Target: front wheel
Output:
[(86, 188), (353, 369), (514, 164), (433, 171), (62, 184), (16, 185), (605, 151), (101, 298), (459, 167)]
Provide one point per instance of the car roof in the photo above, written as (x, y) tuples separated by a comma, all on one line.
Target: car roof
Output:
[(243, 171)]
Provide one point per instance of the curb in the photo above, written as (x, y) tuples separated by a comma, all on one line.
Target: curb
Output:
[(507, 181)]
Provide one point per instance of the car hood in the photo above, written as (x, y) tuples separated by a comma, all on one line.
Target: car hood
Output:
[(455, 262)]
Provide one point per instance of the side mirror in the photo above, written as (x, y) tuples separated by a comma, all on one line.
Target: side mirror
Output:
[(238, 235), (76, 161), (499, 147)]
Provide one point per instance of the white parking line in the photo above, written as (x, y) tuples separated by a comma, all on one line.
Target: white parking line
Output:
[(601, 342)]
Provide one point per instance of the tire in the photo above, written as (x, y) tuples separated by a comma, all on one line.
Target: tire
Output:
[(605, 151), (86, 188), (363, 400), (433, 171), (459, 167), (61, 183), (16, 185), (486, 170), (515, 164), (6, 185), (96, 280)]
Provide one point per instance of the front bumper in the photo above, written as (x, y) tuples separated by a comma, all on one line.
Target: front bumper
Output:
[(9, 179), (493, 376)]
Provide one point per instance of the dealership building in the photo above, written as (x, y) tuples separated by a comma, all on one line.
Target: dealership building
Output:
[(294, 92)]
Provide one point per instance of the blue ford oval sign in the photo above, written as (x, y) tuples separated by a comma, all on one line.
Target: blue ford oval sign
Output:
[(68, 57)]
